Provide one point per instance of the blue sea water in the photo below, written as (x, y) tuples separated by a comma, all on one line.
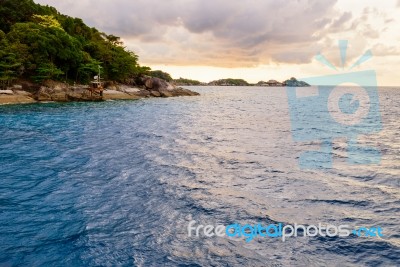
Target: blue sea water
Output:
[(116, 183)]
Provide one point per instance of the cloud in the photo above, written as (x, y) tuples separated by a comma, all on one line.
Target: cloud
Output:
[(384, 50), (219, 32)]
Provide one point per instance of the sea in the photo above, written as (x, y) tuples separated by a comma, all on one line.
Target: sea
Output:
[(124, 183)]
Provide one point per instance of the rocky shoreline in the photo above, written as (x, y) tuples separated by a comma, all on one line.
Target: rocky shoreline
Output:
[(51, 91)]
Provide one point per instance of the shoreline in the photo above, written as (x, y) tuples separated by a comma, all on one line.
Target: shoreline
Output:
[(52, 91)]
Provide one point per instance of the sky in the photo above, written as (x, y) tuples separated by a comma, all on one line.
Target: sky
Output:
[(250, 39)]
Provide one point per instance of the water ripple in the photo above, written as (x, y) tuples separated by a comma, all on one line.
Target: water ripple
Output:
[(116, 183)]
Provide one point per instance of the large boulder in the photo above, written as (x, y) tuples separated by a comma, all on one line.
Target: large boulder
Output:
[(156, 84), (44, 94), (118, 95), (155, 93), (55, 85), (184, 92), (53, 91), (160, 88)]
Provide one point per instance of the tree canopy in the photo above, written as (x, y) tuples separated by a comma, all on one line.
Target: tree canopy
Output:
[(37, 42), (160, 74)]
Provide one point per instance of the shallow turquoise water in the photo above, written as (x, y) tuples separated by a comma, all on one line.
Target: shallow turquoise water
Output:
[(116, 183)]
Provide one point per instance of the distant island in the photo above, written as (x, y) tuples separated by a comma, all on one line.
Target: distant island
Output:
[(292, 82)]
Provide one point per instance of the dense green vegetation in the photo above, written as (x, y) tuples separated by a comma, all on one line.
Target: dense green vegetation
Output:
[(183, 81), (38, 43), (230, 82), (160, 74)]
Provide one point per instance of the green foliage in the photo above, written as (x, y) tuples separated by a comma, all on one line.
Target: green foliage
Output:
[(143, 70), (88, 69), (183, 81), (37, 42), (12, 11), (47, 21), (10, 62), (160, 74), (230, 82), (47, 71), (9, 68)]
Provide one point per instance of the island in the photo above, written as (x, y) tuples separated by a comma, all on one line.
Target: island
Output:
[(292, 82), (48, 56)]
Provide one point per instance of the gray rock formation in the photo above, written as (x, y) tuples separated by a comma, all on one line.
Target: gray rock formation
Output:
[(161, 88), (62, 92), (293, 82)]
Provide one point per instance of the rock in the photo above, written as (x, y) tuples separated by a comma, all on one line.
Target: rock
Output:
[(131, 90), (171, 87), (65, 94), (118, 95), (157, 84), (23, 93), (155, 93), (159, 87), (58, 86), (78, 93), (15, 99), (293, 82), (149, 83), (50, 94), (184, 92), (6, 92), (44, 94), (17, 87), (166, 93), (60, 92), (142, 93), (59, 97)]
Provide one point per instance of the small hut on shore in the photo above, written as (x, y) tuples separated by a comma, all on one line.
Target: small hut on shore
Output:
[(96, 86)]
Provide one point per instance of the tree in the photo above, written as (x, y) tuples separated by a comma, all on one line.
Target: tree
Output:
[(9, 68), (43, 43), (88, 69), (10, 62), (160, 74), (47, 71), (183, 81), (47, 21), (12, 11)]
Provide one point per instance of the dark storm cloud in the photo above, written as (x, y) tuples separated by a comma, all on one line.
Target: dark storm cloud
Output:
[(283, 31)]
